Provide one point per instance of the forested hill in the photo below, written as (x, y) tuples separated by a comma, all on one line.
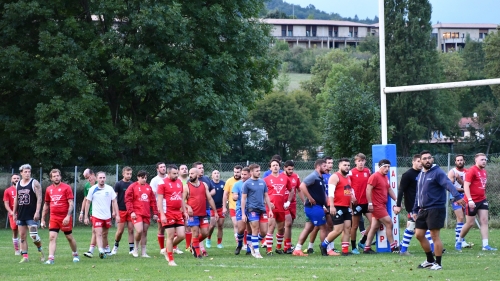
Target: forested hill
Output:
[(282, 9)]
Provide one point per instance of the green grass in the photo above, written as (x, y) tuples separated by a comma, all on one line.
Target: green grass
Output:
[(222, 264), (296, 78)]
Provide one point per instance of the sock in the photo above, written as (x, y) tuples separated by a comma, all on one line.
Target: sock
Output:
[(406, 240), (101, 250), (298, 247), (189, 236), (117, 244), (240, 240), (458, 229), (196, 245), (345, 247), (368, 247), (51, 257), (394, 245), (353, 244), (245, 237), (249, 240), (485, 242), (288, 244), (131, 246), (438, 260), (363, 233), (279, 241), (219, 240), (91, 248), (75, 254), (25, 254), (170, 256), (331, 246), (174, 247), (363, 239), (428, 236), (255, 242), (269, 242), (430, 258), (325, 243), (15, 241), (161, 240), (311, 246), (209, 237), (260, 238)]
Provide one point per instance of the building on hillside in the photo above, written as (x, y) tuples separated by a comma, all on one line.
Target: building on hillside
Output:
[(451, 36), (466, 126), (320, 33)]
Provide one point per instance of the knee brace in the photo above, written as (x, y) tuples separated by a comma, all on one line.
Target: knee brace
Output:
[(34, 233), (410, 226)]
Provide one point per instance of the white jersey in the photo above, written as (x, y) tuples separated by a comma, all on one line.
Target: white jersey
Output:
[(155, 182), (460, 174), (101, 199)]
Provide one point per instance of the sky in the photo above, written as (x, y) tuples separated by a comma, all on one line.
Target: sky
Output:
[(444, 11)]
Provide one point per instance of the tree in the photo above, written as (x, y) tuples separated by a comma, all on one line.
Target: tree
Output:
[(283, 81), (106, 82), (369, 44)]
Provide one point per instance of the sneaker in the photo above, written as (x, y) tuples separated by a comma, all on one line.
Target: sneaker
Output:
[(135, 254), (369, 251), (309, 251), (204, 253), (244, 247), (177, 251), (458, 246), (252, 250), (145, 255), (114, 251), (103, 255), (88, 254), (289, 251), (49, 262), (76, 258), (323, 250), (425, 264), (435, 266), (162, 251), (333, 253), (188, 249), (299, 253), (355, 251), (220, 246), (17, 253), (257, 256), (133, 251), (467, 245), (208, 243), (248, 253), (172, 263), (361, 246), (395, 250), (488, 248), (405, 253), (23, 260), (42, 256), (237, 250), (279, 251)]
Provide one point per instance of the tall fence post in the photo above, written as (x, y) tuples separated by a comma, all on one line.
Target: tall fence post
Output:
[(116, 172), (447, 197), (41, 171), (74, 198)]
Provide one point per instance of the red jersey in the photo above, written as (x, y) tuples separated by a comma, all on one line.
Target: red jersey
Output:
[(343, 191), (139, 199), (359, 181), (172, 192), (9, 195), (295, 185), (477, 178), (380, 189), (57, 197), (197, 199), (278, 190)]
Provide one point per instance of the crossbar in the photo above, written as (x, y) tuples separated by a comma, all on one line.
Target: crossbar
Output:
[(437, 86)]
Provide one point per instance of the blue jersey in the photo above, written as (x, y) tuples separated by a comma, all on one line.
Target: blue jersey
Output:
[(315, 187), (208, 181), (255, 190), (326, 178), (238, 188), (219, 193)]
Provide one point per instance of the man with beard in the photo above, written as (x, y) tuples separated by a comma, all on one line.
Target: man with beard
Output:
[(231, 204), (457, 177), (236, 195), (161, 173), (8, 200), (217, 194), (291, 212), (429, 211)]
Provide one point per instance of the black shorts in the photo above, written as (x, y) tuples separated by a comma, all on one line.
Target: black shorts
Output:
[(481, 205), (360, 209), (343, 214), (431, 218)]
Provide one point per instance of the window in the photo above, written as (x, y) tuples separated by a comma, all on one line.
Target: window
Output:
[(330, 31), (314, 30), (283, 30), (356, 31), (451, 35), (308, 30), (290, 30), (335, 31)]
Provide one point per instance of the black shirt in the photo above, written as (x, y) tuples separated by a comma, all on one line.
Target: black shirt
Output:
[(120, 188), (408, 188), (26, 201)]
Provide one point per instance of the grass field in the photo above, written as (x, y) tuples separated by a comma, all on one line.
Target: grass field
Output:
[(222, 264), (296, 78)]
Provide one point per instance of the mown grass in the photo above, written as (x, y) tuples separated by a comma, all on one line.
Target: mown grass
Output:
[(222, 264)]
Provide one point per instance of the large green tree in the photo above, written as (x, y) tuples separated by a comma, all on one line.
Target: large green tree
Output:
[(133, 81)]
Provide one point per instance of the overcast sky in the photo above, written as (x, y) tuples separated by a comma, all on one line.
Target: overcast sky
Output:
[(446, 11)]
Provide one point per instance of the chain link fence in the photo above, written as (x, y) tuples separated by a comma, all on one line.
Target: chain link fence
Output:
[(74, 177)]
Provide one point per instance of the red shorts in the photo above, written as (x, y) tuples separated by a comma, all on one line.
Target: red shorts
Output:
[(143, 219), (57, 223), (379, 213), (98, 223), (263, 218), (12, 223), (219, 212), (124, 216), (174, 219), (292, 210), (232, 213), (279, 215)]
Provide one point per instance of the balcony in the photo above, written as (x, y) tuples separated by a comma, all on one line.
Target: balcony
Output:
[(319, 38), (453, 40)]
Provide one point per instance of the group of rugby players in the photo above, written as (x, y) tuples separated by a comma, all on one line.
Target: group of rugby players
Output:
[(188, 206)]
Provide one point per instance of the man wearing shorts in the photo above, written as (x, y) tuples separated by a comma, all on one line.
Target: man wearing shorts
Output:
[(172, 210), (429, 211), (341, 196), (140, 200), (231, 204), (457, 177), (280, 193), (161, 173), (376, 193), (89, 175), (217, 194), (196, 194), (253, 197), (236, 196), (59, 199), (26, 211), (8, 200), (120, 189), (313, 189), (103, 198), (184, 177), (477, 204), (291, 212)]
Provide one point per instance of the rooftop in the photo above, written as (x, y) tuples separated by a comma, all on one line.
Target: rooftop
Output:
[(466, 25), (314, 22)]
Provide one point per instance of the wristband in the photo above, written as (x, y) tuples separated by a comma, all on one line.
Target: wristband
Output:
[(370, 204), (470, 200)]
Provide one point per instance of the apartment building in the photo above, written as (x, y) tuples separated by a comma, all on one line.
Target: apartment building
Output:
[(451, 36), (320, 33)]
